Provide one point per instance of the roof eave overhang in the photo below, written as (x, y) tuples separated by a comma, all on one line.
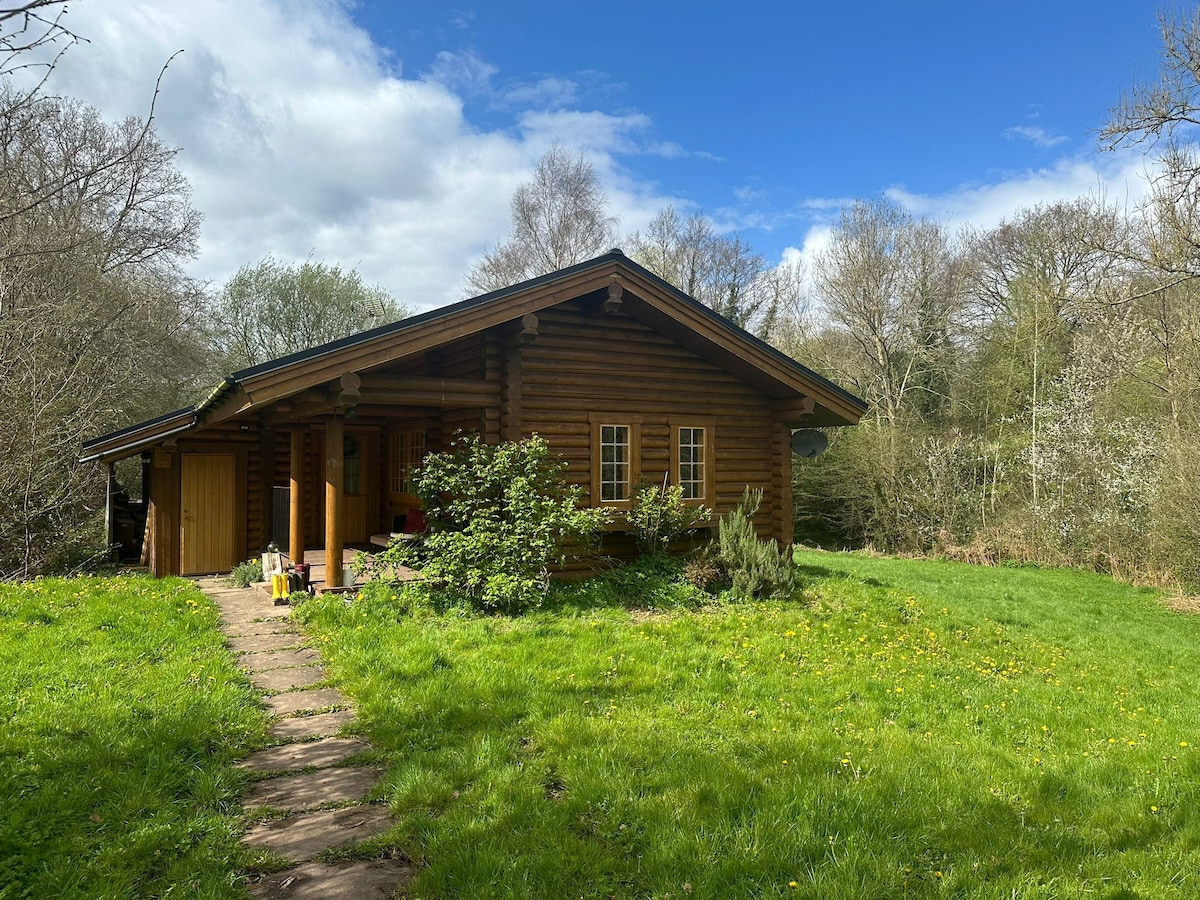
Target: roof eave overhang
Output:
[(260, 386), (264, 385), (128, 441)]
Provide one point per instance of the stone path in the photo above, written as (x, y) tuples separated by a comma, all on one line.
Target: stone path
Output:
[(313, 804)]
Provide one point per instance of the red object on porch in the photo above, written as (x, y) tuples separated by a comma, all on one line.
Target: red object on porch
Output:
[(415, 522)]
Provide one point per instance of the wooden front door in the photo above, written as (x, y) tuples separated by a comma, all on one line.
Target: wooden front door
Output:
[(206, 527)]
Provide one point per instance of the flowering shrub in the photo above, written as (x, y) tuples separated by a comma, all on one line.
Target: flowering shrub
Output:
[(500, 516)]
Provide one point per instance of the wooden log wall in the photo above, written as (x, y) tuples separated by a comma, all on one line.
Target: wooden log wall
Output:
[(510, 386), (493, 363), (586, 362), (464, 358), (163, 514)]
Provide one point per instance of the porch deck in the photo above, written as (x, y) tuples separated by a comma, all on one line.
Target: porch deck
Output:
[(316, 560)]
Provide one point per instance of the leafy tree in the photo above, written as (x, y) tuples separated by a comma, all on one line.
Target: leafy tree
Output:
[(500, 516), (269, 310), (559, 218)]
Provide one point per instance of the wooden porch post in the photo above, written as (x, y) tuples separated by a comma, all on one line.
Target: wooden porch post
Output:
[(335, 479), (296, 502)]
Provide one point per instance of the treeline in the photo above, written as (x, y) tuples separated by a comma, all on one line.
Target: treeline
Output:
[(1034, 388), (100, 325)]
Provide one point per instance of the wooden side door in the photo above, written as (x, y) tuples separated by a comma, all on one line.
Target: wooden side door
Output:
[(206, 526), (360, 502), (362, 494)]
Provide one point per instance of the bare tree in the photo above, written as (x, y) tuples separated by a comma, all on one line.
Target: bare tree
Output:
[(895, 285), (559, 218), (1155, 110), (721, 271), (97, 318), (33, 26)]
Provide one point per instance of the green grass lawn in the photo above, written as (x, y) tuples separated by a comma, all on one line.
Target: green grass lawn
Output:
[(903, 729), (120, 711)]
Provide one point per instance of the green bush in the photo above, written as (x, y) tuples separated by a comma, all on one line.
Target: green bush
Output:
[(659, 515), (756, 568), (247, 573), (500, 517)]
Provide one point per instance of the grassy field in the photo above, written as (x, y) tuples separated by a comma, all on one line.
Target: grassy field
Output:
[(120, 710), (903, 729)]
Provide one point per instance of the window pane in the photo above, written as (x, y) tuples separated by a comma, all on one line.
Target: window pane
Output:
[(406, 452), (690, 444), (352, 465), (614, 462)]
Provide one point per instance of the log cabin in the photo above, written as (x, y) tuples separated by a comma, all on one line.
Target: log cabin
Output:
[(627, 378)]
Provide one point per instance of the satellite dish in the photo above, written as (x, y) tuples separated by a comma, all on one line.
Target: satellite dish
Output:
[(808, 442)]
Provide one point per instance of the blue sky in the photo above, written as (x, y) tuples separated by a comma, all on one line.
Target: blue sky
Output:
[(389, 136)]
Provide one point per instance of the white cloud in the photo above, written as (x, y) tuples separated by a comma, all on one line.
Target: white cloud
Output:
[(463, 72), (1117, 178), (1038, 136), (546, 93), (301, 138)]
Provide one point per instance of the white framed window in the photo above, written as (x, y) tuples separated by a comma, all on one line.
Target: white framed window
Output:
[(406, 453), (616, 458), (614, 463), (693, 463)]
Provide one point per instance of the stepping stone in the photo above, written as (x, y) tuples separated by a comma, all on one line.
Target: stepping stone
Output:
[(312, 789), (360, 879), (248, 612), (251, 643), (242, 616), (320, 725), (320, 753), (287, 679), (304, 835), (292, 702), (269, 626), (265, 660)]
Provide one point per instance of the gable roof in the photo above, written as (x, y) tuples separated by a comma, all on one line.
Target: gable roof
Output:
[(654, 301)]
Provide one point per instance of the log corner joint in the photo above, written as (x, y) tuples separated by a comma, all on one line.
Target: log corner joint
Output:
[(350, 392), (529, 329), (612, 304), (793, 412)]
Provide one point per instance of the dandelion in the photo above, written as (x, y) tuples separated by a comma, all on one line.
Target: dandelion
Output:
[(793, 884)]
